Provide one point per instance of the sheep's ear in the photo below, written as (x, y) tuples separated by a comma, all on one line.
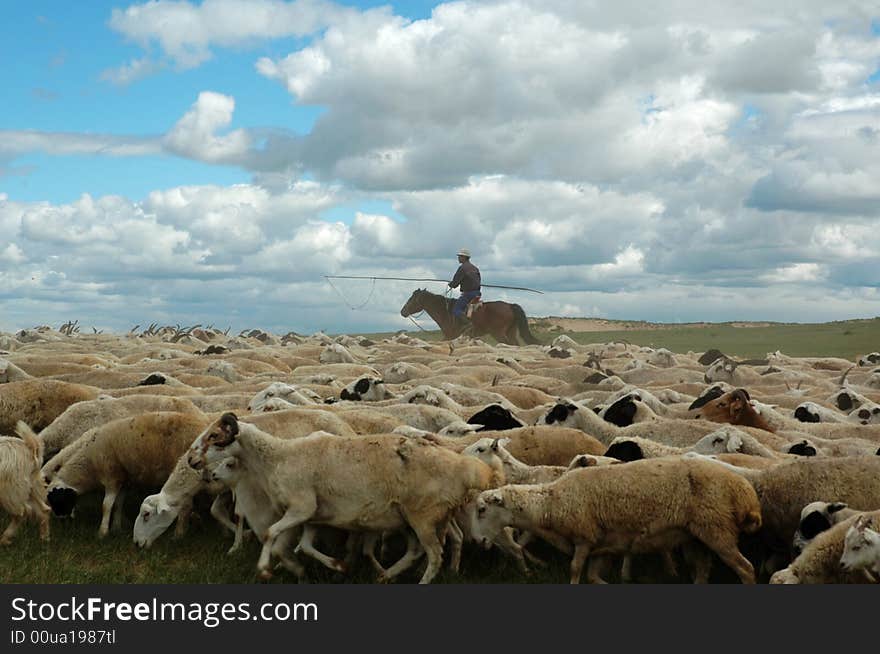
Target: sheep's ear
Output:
[(229, 425), (162, 505), (834, 507), (495, 444), (504, 442), (496, 499)]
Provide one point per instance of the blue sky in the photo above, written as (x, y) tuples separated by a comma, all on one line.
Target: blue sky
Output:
[(626, 161)]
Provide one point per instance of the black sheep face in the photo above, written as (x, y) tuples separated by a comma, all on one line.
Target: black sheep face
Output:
[(494, 418), (803, 414), (622, 412), (625, 451), (153, 380), (62, 501), (559, 413), (802, 449)]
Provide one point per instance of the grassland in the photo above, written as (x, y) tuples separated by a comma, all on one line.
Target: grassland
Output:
[(75, 554)]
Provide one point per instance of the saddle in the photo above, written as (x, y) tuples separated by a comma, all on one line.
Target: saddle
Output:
[(473, 305)]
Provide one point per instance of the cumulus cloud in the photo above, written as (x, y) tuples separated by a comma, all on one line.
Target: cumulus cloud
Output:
[(194, 134), (186, 32), (679, 162)]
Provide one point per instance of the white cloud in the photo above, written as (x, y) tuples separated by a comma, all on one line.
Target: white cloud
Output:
[(186, 32), (194, 135), (132, 71), (799, 272)]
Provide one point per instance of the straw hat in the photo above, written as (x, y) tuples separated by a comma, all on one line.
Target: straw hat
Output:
[(464, 252)]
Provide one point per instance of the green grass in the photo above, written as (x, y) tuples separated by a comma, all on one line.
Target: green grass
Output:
[(847, 339), (75, 555)]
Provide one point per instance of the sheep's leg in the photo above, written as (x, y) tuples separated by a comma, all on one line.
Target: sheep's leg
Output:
[(581, 550), (110, 495), (288, 561), (220, 512), (507, 543), (306, 546), (295, 515), (371, 539), (724, 544), (669, 564), (594, 570), (43, 519), (11, 530), (356, 541), (239, 535), (413, 554), (457, 538), (524, 539), (116, 516), (426, 531), (700, 562), (626, 568), (183, 516)]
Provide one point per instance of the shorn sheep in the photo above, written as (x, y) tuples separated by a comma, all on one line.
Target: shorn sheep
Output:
[(646, 505), (22, 490), (374, 483)]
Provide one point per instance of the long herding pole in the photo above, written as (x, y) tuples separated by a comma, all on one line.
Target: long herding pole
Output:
[(417, 279)]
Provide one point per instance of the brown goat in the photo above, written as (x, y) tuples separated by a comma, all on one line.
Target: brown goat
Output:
[(734, 408)]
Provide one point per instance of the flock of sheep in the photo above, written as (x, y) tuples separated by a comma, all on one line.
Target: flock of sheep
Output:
[(610, 453)]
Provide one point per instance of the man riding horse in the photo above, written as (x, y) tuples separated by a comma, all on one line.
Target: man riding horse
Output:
[(468, 278)]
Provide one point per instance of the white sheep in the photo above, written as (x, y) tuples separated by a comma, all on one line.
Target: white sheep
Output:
[(9, 372), (820, 561), (642, 506), (861, 546), (174, 501), (141, 450), (817, 517), (375, 483), (289, 393), (337, 353), (22, 489)]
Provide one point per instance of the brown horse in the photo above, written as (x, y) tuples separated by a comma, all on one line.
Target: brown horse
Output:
[(501, 319)]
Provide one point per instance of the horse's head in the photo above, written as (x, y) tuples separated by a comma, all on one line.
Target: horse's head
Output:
[(414, 303)]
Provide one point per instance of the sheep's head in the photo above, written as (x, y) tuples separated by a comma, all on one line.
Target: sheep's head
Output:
[(459, 428), (154, 518), (494, 418), (807, 412), (492, 516), (625, 449), (733, 407), (216, 442), (866, 415), (367, 389), (816, 517), (560, 413), (62, 498), (722, 369), (622, 411), (802, 448), (861, 547), (722, 441)]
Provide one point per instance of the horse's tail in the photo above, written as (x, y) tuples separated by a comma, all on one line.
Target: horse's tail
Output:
[(522, 324)]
